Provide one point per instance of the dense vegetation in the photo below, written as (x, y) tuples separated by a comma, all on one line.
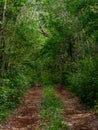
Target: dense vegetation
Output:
[(48, 42)]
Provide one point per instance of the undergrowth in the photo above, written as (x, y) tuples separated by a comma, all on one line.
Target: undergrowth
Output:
[(9, 100), (84, 81), (51, 112)]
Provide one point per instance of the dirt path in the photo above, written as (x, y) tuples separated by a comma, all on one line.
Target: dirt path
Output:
[(77, 117), (27, 115)]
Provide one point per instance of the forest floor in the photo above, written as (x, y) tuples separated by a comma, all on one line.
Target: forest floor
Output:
[(27, 116)]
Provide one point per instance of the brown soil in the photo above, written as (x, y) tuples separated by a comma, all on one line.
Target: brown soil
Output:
[(26, 116), (75, 114)]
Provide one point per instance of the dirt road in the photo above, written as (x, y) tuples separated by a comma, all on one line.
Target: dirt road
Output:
[(27, 116)]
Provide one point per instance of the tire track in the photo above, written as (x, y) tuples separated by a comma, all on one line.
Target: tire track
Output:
[(76, 116), (27, 115)]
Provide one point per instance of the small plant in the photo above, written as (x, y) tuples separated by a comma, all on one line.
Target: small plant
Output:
[(96, 109)]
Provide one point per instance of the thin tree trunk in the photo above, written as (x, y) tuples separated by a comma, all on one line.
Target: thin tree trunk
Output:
[(70, 51), (2, 44)]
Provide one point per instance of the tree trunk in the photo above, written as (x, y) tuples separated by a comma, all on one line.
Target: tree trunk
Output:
[(70, 49), (2, 44)]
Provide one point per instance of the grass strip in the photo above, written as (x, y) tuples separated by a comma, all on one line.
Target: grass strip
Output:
[(51, 112)]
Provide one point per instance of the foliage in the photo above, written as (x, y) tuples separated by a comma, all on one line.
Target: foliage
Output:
[(69, 55), (9, 99), (18, 38), (84, 82), (51, 42)]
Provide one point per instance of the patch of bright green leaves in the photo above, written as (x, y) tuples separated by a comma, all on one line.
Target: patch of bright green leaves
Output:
[(51, 112), (9, 100)]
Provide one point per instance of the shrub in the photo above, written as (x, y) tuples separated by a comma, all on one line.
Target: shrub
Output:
[(84, 82)]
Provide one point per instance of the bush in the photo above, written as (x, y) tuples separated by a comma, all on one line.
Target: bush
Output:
[(9, 100), (9, 97), (84, 82), (14, 84)]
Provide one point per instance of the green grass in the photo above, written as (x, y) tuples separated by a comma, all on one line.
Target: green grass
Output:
[(51, 112), (4, 113)]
